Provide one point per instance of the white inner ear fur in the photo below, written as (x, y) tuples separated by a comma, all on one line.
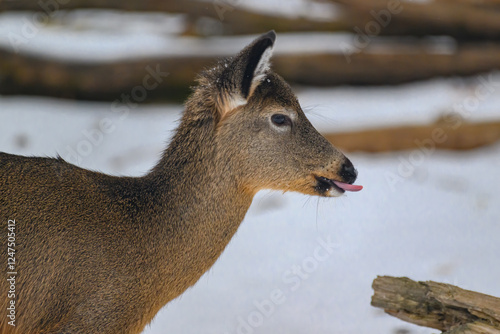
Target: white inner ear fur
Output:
[(261, 69), (233, 100), (229, 103)]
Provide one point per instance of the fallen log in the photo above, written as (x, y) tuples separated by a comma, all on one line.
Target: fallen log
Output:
[(450, 133), (24, 74), (458, 19), (377, 64), (492, 4), (467, 19), (228, 16), (437, 305)]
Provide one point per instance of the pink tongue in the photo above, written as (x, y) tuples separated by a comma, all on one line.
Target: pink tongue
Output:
[(347, 186)]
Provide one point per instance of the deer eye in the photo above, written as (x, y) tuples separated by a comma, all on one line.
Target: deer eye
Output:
[(281, 120)]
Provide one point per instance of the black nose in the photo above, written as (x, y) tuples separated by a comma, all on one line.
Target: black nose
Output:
[(348, 172)]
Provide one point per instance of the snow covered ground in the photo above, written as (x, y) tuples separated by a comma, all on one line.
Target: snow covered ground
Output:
[(300, 264)]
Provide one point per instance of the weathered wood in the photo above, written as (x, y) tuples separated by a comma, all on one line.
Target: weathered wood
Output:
[(30, 74), (458, 19), (492, 4), (452, 134), (33, 75), (437, 305), (463, 19), (229, 17)]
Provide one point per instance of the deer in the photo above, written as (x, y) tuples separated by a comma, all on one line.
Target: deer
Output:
[(97, 253)]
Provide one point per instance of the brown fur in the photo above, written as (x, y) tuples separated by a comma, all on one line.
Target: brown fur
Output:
[(102, 254)]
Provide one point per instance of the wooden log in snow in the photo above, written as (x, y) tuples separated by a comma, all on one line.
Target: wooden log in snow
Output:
[(491, 4), (437, 305), (463, 19), (459, 19), (450, 133), (228, 16), (29, 74)]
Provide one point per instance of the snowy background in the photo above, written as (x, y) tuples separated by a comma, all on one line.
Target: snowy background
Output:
[(439, 221)]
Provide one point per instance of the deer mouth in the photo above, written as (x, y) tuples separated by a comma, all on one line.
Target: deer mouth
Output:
[(333, 188)]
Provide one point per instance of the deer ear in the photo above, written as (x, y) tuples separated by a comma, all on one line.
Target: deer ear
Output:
[(244, 73), (255, 62)]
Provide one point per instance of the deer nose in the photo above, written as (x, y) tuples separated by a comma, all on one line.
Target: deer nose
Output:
[(348, 172)]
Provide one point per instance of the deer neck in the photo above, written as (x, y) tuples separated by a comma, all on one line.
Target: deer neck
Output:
[(204, 202)]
